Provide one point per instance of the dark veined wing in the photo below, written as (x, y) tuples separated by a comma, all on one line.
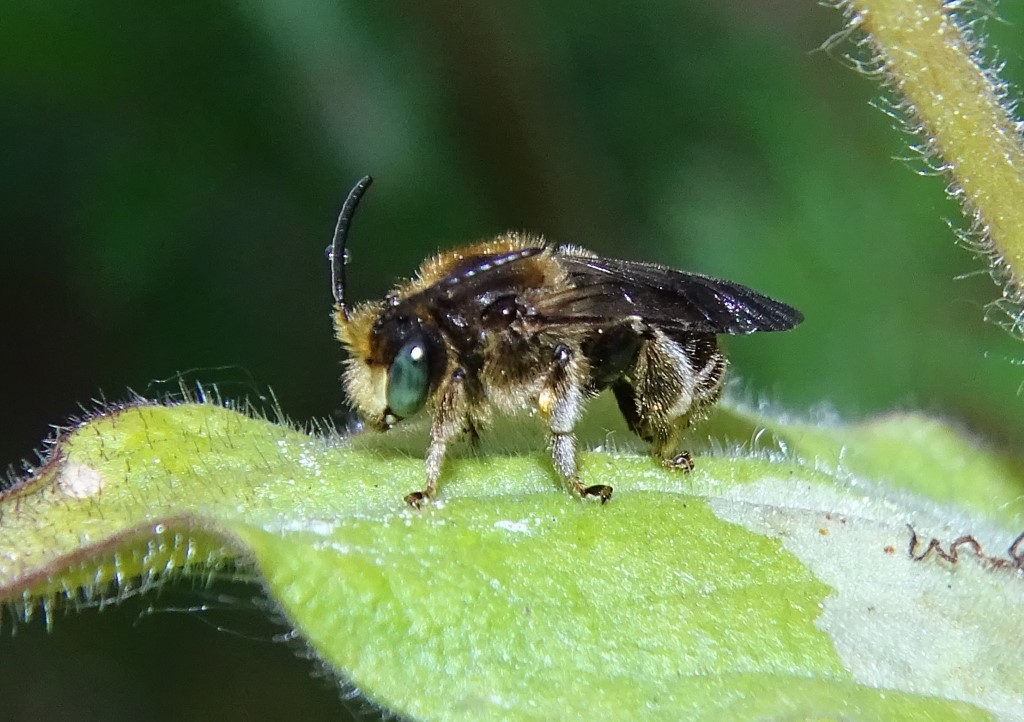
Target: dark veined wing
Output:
[(606, 290)]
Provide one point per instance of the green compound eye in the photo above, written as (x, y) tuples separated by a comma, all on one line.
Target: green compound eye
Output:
[(408, 380)]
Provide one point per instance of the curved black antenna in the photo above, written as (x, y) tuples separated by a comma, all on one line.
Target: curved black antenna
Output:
[(337, 249)]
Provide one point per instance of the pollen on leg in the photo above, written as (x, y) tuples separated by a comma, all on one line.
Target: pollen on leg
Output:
[(546, 401), (79, 481)]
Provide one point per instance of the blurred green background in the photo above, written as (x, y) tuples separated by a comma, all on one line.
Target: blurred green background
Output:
[(171, 175)]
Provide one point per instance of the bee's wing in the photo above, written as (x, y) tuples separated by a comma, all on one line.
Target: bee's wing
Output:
[(608, 290)]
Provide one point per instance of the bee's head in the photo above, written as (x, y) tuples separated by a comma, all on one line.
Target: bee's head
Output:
[(396, 358)]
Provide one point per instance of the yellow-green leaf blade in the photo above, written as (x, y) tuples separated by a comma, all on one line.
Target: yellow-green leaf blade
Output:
[(726, 593)]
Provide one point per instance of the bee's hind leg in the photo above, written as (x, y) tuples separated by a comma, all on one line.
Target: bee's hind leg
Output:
[(658, 430), (561, 403), (673, 381)]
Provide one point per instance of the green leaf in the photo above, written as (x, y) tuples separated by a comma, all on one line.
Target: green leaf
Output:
[(774, 580)]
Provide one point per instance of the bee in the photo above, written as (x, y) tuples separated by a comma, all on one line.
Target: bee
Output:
[(520, 325)]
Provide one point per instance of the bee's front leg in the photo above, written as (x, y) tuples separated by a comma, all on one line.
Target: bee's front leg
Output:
[(448, 423), (561, 403)]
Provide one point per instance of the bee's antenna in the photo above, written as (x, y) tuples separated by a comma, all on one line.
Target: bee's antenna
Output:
[(337, 248)]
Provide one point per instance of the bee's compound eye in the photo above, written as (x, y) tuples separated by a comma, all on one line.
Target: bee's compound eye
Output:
[(408, 379)]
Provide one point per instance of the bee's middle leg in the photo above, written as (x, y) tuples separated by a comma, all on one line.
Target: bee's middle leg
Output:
[(561, 402)]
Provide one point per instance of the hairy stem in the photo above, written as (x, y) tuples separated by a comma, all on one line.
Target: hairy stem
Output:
[(929, 54)]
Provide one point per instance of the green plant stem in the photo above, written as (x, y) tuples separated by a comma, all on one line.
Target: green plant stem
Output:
[(932, 60)]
